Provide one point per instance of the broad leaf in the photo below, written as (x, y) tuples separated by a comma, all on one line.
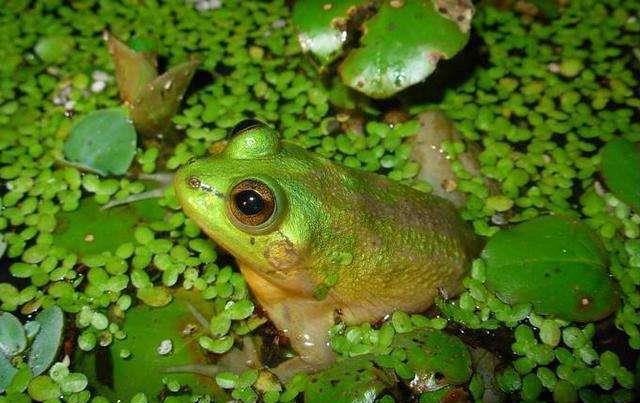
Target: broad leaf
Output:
[(557, 264), (90, 230), (431, 352), (121, 378), (47, 342), (400, 47), (12, 337), (352, 380), (621, 171), (103, 140)]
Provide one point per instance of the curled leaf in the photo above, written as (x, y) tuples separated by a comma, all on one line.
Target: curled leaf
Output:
[(134, 70), (158, 101)]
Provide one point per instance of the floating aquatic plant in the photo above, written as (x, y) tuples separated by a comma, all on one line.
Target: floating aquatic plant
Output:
[(402, 40), (556, 264), (152, 98), (621, 170), (42, 338), (103, 141)]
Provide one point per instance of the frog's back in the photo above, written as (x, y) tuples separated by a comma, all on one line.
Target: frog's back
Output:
[(398, 247)]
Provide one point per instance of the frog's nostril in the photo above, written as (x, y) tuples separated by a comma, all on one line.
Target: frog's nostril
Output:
[(193, 182), (191, 160)]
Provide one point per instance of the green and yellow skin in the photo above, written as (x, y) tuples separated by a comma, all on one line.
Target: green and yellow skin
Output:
[(318, 242)]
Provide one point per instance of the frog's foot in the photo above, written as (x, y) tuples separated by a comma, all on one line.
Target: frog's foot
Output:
[(287, 369), (236, 360)]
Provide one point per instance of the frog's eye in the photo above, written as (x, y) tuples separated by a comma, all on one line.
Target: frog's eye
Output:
[(246, 125), (252, 203)]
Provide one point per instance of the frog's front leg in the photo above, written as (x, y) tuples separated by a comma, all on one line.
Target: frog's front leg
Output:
[(303, 319)]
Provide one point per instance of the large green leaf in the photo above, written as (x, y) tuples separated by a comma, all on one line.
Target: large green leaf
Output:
[(146, 327), (433, 352), (91, 230), (47, 342), (557, 264), (400, 47), (352, 380), (12, 336), (621, 171), (103, 140)]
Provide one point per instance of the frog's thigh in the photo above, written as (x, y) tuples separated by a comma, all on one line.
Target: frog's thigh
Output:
[(305, 321)]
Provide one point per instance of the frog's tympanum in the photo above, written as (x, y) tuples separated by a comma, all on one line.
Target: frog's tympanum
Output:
[(318, 242)]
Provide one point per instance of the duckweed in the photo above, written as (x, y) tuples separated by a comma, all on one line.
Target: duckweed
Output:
[(549, 94)]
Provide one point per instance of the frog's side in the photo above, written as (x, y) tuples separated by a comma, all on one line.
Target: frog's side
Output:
[(387, 246)]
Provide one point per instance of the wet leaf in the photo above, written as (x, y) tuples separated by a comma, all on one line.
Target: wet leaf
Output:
[(7, 372), (401, 46), (90, 230), (103, 140), (322, 26), (621, 171), (557, 264), (47, 342), (134, 70), (435, 358), (157, 103), (144, 368), (12, 337), (352, 380)]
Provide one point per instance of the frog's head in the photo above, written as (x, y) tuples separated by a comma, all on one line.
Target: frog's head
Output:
[(253, 198)]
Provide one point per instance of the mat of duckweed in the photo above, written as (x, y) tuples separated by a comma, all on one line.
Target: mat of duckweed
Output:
[(545, 96)]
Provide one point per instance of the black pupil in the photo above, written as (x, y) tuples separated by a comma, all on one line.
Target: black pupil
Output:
[(249, 202)]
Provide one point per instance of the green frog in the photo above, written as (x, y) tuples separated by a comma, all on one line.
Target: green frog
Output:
[(318, 242)]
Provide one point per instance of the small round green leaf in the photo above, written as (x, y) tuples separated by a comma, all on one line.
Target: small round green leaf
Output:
[(54, 49), (103, 140)]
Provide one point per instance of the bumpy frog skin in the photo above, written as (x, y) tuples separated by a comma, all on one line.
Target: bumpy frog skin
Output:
[(376, 245)]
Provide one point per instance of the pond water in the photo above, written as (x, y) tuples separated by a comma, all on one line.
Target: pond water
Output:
[(118, 285)]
